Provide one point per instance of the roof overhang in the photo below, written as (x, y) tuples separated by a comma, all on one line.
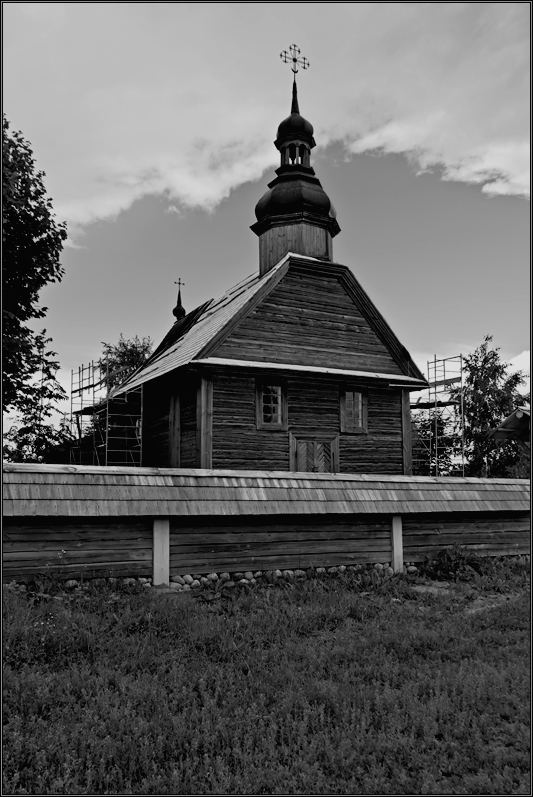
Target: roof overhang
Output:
[(392, 380)]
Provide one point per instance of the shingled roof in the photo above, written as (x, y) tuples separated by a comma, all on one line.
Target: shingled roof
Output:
[(71, 491), (191, 338)]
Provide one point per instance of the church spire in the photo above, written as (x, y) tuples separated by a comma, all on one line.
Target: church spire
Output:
[(295, 214), (179, 311)]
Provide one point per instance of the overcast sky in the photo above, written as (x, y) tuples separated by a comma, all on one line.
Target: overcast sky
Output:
[(154, 124)]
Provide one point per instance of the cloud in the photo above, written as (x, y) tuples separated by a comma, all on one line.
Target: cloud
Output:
[(182, 99)]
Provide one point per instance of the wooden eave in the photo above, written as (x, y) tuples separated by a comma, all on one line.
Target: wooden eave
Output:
[(85, 491)]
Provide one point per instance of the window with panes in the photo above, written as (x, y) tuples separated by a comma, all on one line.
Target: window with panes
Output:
[(353, 411)]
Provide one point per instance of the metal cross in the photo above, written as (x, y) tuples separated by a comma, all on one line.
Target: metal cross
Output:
[(179, 283), (293, 55)]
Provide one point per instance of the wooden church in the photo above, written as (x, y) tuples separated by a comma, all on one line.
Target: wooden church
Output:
[(294, 368)]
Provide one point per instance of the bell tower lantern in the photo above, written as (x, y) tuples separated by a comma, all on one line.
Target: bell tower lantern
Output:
[(295, 215)]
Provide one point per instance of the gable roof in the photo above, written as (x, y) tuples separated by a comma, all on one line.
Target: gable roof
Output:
[(196, 336)]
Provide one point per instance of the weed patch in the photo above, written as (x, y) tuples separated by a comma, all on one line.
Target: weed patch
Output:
[(317, 687)]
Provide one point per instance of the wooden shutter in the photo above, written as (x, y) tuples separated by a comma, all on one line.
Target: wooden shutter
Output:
[(316, 455)]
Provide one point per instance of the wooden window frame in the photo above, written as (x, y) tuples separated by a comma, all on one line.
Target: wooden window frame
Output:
[(260, 424), (363, 429), (330, 437)]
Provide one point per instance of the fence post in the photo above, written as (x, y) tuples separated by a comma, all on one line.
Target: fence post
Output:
[(161, 552), (397, 544)]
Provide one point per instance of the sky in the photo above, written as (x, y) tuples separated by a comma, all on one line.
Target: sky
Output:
[(154, 124)]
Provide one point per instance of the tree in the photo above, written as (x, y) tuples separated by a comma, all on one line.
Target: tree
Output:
[(32, 244), (121, 359), (490, 394)]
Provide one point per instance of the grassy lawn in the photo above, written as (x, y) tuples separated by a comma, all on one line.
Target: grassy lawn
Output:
[(319, 687)]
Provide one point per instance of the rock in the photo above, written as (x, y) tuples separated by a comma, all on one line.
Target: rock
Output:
[(288, 575), (225, 577), (196, 576), (71, 583), (204, 581), (257, 574), (412, 569), (228, 584), (300, 574), (212, 576), (178, 580), (243, 581), (143, 580), (195, 584), (378, 566), (188, 579), (389, 571), (112, 580), (268, 574), (276, 574), (248, 575), (320, 571), (238, 576), (333, 570), (175, 586), (342, 568), (350, 568), (186, 588), (147, 584), (253, 581)]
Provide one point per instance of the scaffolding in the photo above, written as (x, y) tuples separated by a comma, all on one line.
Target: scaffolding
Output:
[(106, 430), (444, 431)]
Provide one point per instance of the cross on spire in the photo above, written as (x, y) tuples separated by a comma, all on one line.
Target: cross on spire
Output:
[(293, 57), (179, 283)]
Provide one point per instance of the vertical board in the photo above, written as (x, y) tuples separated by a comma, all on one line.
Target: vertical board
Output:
[(407, 444)]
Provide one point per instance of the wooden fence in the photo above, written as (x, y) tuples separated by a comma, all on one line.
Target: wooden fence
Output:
[(75, 520)]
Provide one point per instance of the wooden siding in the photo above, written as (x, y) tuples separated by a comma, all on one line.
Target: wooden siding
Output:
[(313, 408), (156, 423), (84, 491), (77, 547), (188, 424), (489, 534), (211, 544), (309, 319), (301, 238)]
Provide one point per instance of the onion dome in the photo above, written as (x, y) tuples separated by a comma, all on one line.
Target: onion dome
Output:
[(179, 311), (295, 127)]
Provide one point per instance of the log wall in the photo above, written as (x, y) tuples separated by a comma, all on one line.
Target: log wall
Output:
[(313, 408)]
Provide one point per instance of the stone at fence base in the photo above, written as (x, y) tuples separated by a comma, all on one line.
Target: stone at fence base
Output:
[(300, 574), (228, 584), (225, 577), (128, 582), (332, 570), (276, 574), (412, 569), (188, 579), (212, 577), (288, 575), (186, 588), (195, 584), (204, 580), (178, 580), (147, 584), (175, 586), (342, 568), (320, 571), (143, 580), (196, 576), (257, 574), (378, 566), (238, 576), (71, 583), (248, 575), (389, 571), (243, 581)]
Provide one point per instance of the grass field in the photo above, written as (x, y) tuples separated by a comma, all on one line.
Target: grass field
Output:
[(319, 687)]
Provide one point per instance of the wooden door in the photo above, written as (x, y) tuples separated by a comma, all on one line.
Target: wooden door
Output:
[(314, 455)]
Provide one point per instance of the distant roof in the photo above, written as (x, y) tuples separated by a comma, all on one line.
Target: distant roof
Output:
[(515, 426), (74, 490), (190, 337)]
